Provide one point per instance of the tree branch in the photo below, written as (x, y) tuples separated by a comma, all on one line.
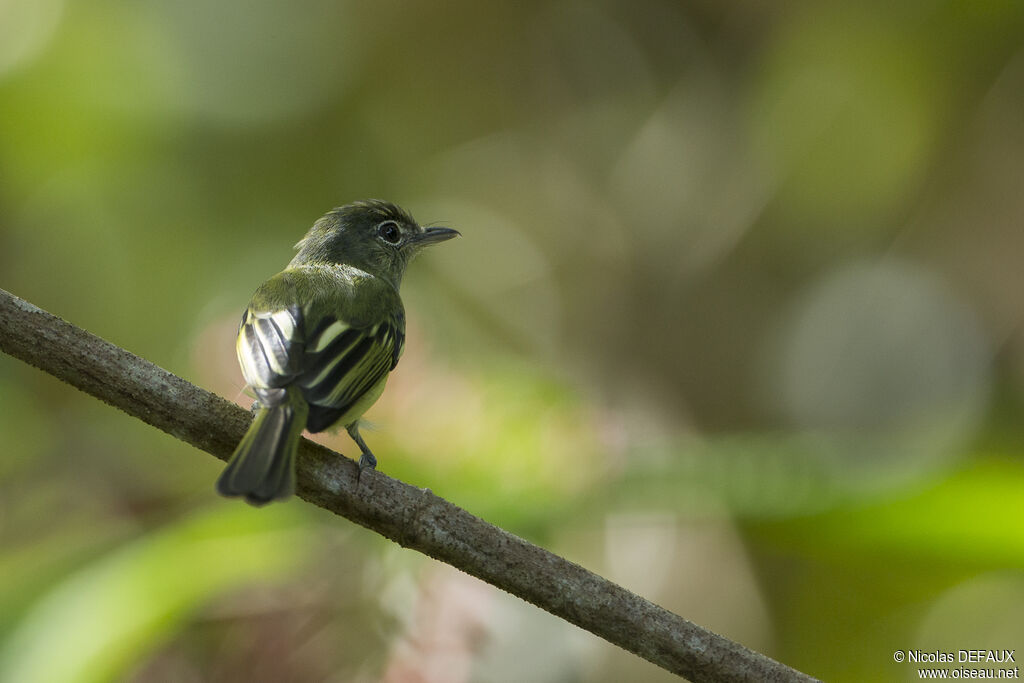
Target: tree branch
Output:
[(414, 518)]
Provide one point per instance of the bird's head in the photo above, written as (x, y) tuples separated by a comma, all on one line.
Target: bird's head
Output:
[(372, 235)]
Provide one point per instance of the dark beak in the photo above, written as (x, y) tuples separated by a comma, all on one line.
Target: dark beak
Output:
[(433, 236)]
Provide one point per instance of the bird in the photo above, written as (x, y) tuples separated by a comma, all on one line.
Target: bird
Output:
[(318, 340)]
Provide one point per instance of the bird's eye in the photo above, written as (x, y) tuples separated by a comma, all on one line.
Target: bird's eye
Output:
[(389, 232)]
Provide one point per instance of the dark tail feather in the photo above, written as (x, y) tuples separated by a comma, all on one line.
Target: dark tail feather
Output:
[(262, 468)]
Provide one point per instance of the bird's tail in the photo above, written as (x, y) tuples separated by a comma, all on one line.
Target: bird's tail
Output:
[(262, 468)]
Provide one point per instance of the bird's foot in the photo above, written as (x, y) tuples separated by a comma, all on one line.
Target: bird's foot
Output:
[(366, 462)]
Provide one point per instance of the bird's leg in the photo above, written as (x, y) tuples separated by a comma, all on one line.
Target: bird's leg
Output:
[(366, 459)]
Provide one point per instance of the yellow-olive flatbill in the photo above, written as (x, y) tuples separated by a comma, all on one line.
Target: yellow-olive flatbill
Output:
[(318, 340)]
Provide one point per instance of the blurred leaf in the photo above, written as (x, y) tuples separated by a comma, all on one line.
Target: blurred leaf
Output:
[(30, 569), (94, 624), (26, 29), (971, 518)]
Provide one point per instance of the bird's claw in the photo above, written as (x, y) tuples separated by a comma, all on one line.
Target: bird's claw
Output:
[(366, 462)]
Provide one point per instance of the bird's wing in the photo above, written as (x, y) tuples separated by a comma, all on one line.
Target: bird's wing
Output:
[(332, 343), (342, 361), (271, 346)]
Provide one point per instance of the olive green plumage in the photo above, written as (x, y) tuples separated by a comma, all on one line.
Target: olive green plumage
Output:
[(318, 340)]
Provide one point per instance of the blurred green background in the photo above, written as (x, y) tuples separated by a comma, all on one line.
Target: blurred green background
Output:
[(736, 321)]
